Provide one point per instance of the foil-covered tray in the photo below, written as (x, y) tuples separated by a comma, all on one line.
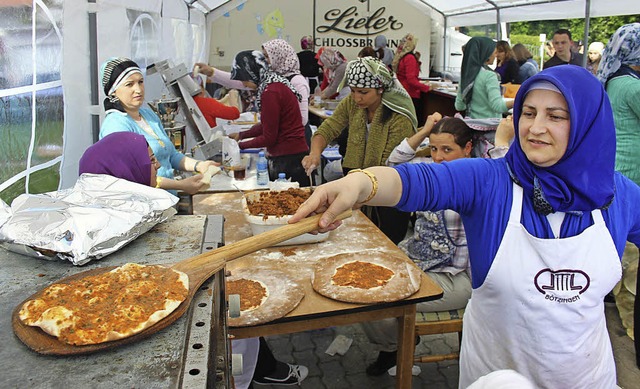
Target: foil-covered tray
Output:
[(97, 216)]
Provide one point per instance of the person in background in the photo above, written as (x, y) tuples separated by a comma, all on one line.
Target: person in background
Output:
[(546, 213), (528, 65), (507, 66), (479, 90), (213, 109), (594, 55), (282, 60), (367, 51), (407, 69), (123, 155), (334, 65), (619, 72), (563, 55), (126, 111), (379, 114), (447, 263), (309, 66), (383, 52), (280, 129)]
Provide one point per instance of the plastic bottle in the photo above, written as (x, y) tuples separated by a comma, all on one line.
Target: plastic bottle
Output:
[(317, 99), (282, 177), (262, 169)]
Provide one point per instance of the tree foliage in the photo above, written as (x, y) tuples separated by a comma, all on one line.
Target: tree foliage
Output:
[(600, 29)]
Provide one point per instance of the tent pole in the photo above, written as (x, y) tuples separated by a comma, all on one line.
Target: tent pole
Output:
[(585, 40), (445, 57)]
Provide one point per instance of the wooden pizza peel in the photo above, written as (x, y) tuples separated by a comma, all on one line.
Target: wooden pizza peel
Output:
[(198, 268)]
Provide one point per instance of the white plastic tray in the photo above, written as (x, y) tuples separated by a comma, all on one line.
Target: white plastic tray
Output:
[(259, 224)]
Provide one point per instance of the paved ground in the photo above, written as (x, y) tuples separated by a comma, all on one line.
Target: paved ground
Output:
[(348, 371)]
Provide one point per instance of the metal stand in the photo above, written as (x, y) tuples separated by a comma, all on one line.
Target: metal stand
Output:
[(198, 135)]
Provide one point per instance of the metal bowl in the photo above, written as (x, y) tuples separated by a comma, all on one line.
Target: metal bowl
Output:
[(167, 106)]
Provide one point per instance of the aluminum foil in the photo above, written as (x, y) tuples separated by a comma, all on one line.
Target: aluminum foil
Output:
[(96, 217)]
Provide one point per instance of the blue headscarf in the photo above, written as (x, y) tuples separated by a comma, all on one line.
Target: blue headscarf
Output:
[(582, 180)]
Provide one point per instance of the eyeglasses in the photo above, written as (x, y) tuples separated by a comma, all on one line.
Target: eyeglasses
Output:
[(153, 160)]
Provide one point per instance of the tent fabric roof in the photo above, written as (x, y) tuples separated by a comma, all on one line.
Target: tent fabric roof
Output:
[(480, 12)]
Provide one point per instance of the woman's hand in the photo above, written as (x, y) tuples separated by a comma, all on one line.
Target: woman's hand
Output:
[(505, 132), (204, 69), (235, 136), (331, 199), (310, 163), (192, 185), (204, 165)]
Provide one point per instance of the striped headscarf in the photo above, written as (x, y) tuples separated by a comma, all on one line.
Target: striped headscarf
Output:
[(282, 57), (251, 65), (113, 73), (369, 72), (623, 49), (406, 46)]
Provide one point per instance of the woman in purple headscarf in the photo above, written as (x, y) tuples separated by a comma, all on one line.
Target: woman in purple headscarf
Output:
[(123, 155), (546, 227)]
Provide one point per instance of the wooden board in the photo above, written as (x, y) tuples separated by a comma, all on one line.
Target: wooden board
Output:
[(198, 268)]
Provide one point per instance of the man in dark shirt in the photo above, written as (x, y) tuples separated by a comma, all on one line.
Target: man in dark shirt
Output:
[(562, 44)]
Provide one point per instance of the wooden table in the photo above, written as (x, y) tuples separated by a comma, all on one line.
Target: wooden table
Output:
[(438, 101), (357, 234)]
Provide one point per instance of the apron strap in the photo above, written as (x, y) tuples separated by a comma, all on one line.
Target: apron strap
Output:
[(516, 204)]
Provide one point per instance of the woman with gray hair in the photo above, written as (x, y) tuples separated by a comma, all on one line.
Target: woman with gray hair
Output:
[(379, 114)]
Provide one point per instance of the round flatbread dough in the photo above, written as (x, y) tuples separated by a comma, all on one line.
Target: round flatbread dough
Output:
[(283, 294), (404, 281)]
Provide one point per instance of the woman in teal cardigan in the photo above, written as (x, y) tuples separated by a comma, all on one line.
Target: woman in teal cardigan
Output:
[(379, 114), (479, 91)]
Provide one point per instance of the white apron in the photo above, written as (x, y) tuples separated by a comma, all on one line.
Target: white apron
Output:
[(540, 311)]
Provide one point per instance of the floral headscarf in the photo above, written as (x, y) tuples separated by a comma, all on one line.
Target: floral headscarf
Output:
[(283, 57), (306, 42), (369, 72), (406, 46), (120, 154), (476, 53), (623, 49), (251, 65), (330, 58), (113, 73), (578, 181)]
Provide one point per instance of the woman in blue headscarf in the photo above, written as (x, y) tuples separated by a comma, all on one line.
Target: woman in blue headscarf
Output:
[(546, 227)]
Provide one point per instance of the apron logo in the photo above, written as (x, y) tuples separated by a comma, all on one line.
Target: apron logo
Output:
[(563, 285)]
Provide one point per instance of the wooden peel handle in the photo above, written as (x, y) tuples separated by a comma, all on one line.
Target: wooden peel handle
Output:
[(212, 261)]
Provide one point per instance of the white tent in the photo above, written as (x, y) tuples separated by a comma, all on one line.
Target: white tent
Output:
[(50, 52)]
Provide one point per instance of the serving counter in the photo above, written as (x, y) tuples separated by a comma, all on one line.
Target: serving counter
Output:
[(190, 353), (357, 234)]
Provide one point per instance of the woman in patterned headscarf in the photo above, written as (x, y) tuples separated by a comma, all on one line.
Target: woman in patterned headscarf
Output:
[(283, 60), (546, 227), (479, 91), (123, 84), (280, 129), (379, 114), (619, 71), (334, 65), (407, 69)]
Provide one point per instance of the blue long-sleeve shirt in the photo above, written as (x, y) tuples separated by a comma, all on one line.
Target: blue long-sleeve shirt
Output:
[(167, 155), (481, 191)]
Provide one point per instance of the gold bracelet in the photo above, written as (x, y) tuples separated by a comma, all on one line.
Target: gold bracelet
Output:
[(158, 181), (374, 182)]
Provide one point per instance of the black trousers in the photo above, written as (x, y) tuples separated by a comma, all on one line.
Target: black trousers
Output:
[(291, 165)]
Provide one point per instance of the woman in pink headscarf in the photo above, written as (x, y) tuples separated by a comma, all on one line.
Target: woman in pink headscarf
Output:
[(283, 60)]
